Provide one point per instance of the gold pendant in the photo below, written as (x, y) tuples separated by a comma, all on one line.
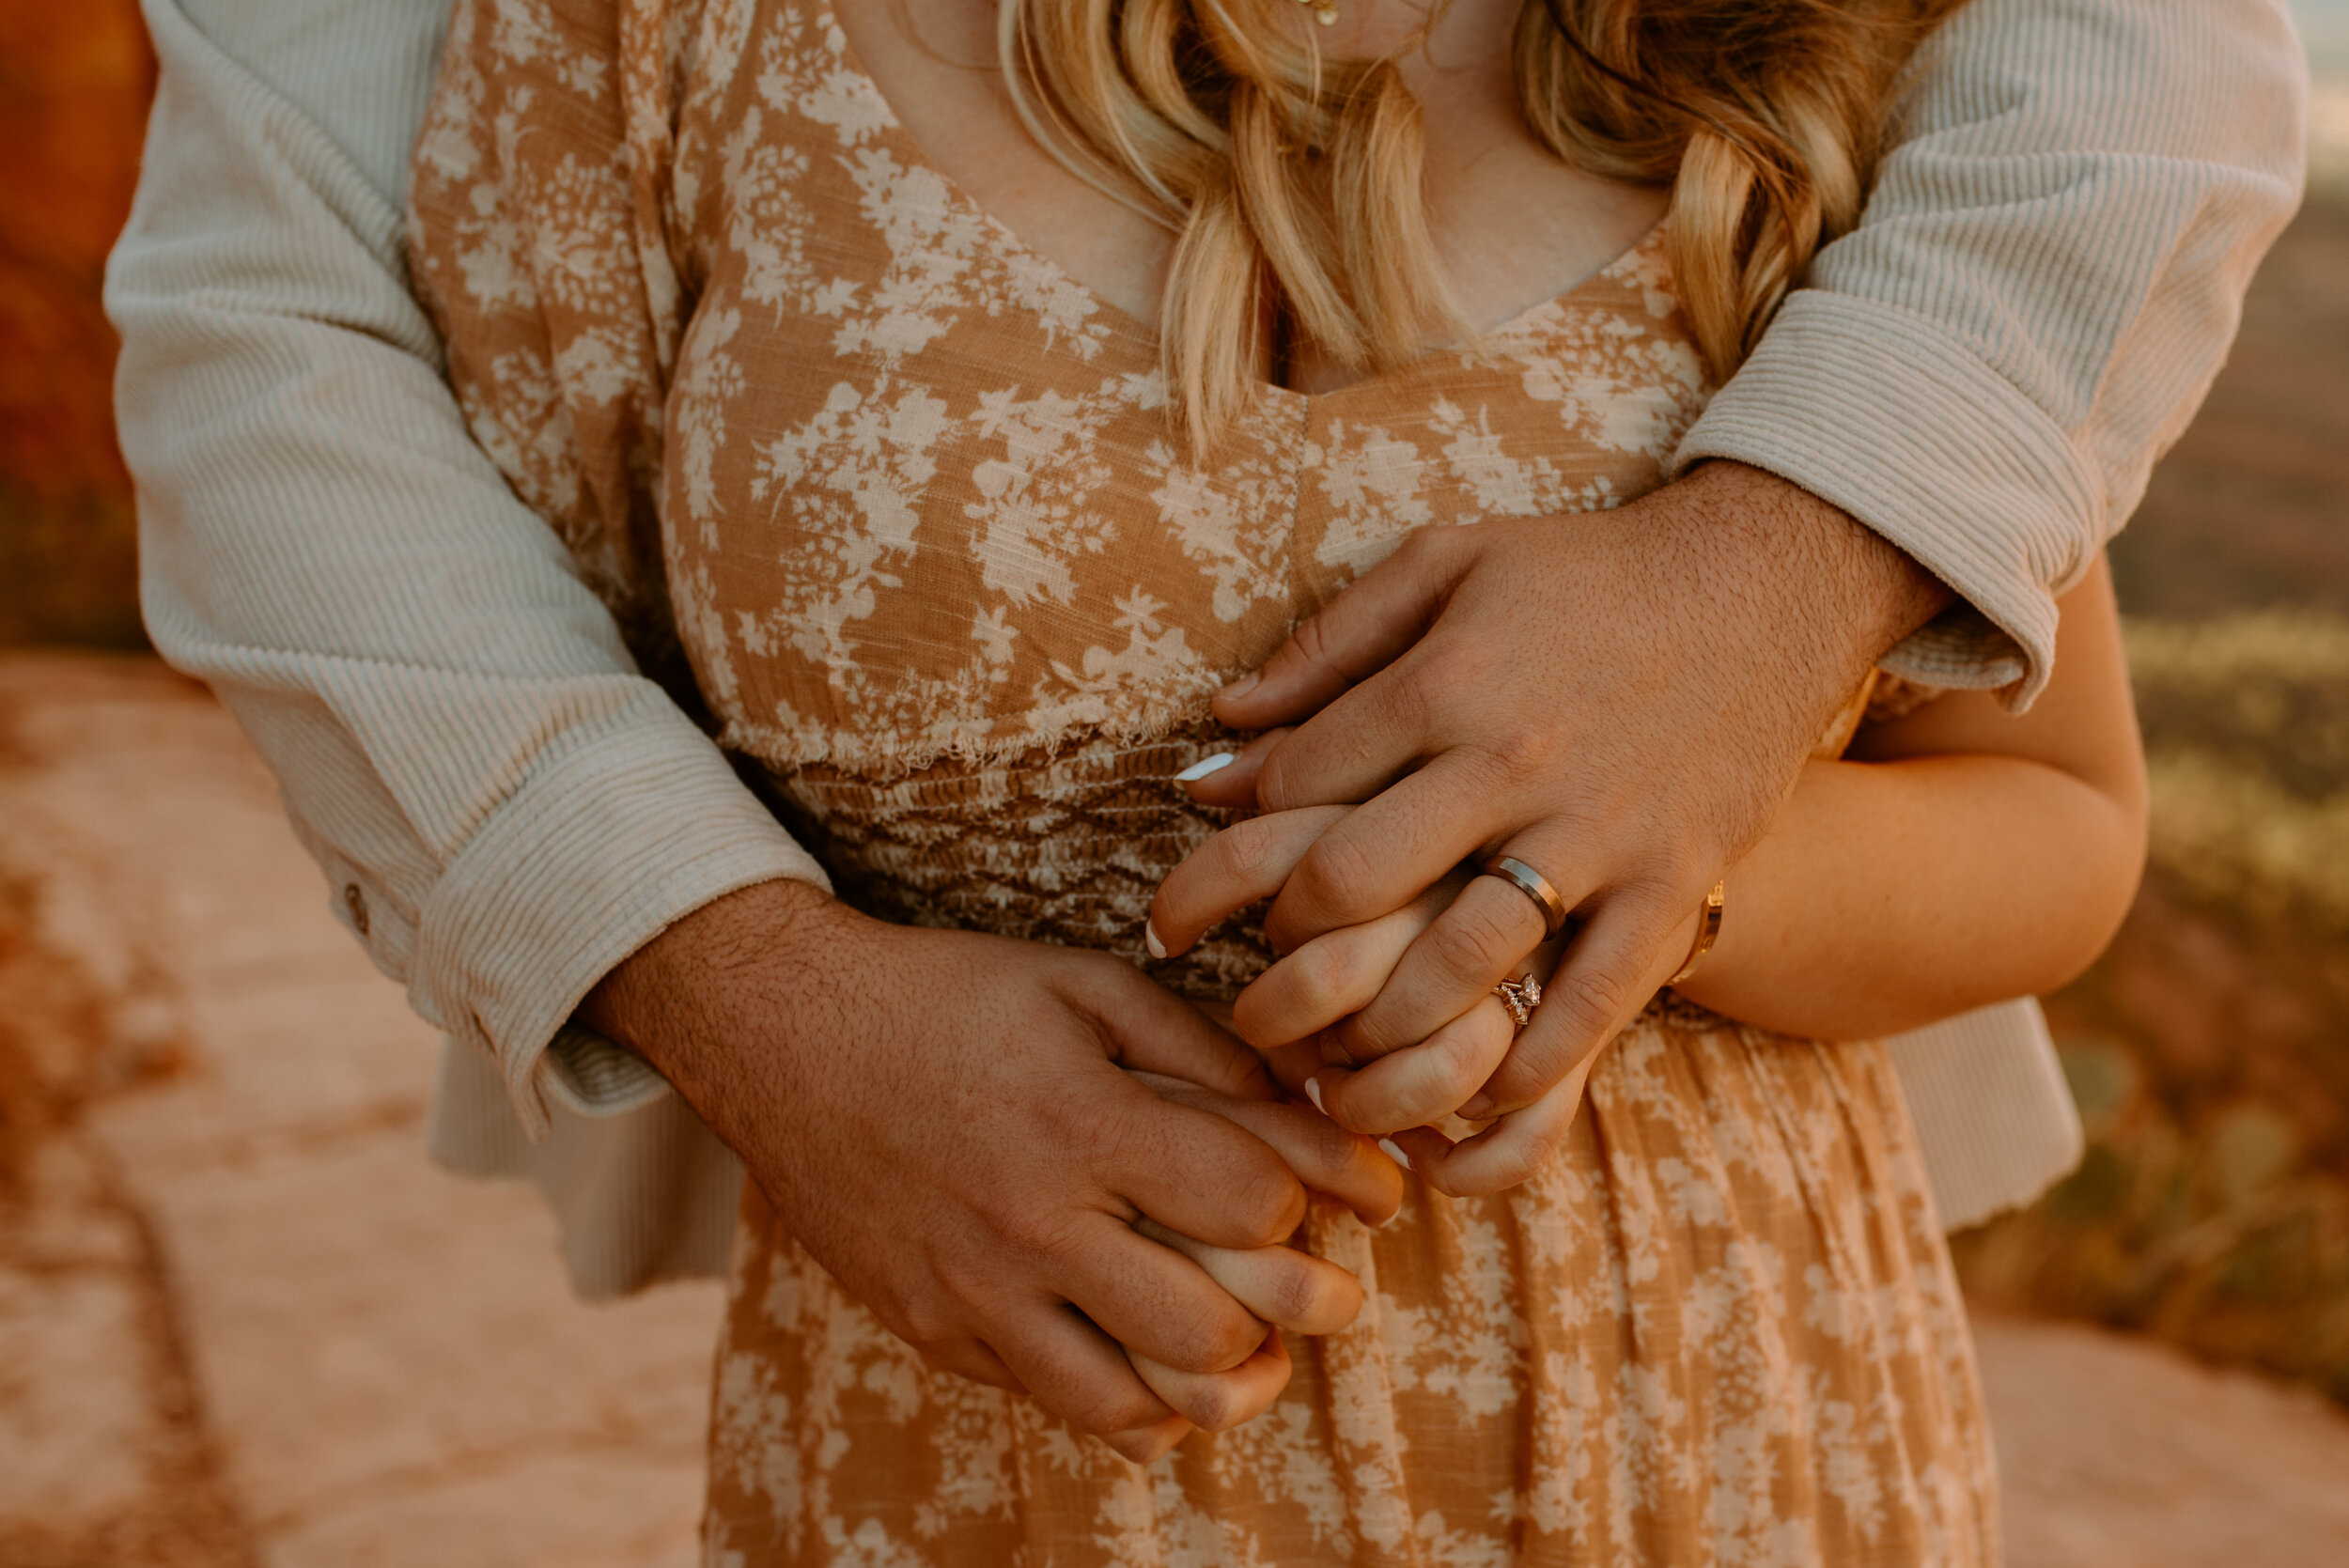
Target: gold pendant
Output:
[(1325, 11)]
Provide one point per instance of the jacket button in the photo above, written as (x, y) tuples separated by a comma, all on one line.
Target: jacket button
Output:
[(356, 902)]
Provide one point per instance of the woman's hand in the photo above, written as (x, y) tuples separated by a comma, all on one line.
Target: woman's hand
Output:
[(942, 1121), (1621, 700), (1302, 1011)]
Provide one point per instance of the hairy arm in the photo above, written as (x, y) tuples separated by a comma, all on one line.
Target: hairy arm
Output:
[(1958, 857)]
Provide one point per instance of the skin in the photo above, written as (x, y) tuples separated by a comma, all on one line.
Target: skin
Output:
[(1049, 1175), (1955, 857), (967, 1131)]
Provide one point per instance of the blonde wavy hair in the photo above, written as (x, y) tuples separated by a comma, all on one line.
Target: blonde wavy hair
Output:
[(1293, 181)]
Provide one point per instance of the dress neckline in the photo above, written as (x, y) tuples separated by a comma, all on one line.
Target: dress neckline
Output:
[(912, 153)]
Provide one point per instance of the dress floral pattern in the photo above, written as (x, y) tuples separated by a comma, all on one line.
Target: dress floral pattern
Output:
[(907, 501)]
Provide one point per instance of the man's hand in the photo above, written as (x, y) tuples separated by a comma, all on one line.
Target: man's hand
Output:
[(1621, 700), (946, 1123)]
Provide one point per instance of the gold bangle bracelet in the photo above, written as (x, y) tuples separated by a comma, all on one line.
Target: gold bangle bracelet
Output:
[(1708, 931)]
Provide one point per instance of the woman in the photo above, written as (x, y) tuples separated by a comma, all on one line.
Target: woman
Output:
[(958, 546)]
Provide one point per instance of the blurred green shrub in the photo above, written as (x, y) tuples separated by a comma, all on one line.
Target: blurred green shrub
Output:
[(2246, 724)]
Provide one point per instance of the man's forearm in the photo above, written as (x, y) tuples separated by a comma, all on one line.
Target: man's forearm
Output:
[(1845, 583), (666, 1001)]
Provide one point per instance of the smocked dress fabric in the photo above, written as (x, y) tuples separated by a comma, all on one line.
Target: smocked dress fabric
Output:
[(907, 499)]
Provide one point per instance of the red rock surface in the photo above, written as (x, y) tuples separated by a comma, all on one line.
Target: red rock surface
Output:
[(74, 84)]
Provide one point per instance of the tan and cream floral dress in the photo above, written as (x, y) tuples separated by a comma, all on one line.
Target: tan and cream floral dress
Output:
[(906, 498)]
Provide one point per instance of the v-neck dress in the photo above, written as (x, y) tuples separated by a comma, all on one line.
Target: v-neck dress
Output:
[(909, 501)]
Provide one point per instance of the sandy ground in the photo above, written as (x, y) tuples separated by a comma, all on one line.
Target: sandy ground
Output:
[(243, 1321)]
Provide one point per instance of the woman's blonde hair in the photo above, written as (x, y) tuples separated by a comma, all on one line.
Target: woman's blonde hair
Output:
[(1293, 181)]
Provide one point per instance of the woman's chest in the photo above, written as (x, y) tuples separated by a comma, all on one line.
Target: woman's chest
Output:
[(922, 493)]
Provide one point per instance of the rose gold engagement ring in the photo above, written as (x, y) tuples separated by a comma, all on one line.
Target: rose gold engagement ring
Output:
[(1520, 997)]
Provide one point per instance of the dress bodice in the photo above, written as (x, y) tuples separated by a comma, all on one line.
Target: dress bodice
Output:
[(943, 561), (939, 555)]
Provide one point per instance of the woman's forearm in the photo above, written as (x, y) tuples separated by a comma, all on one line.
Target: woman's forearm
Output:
[(1889, 896)]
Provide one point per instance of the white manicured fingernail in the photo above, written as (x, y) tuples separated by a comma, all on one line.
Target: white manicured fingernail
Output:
[(1151, 941), (1205, 766), (1313, 1093), (1394, 1151)]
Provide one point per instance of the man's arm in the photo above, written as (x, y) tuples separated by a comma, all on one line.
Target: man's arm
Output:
[(504, 807), (2045, 280), (2048, 275)]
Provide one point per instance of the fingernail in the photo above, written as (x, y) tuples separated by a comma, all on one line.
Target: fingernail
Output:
[(1151, 941), (1394, 1151), (1479, 1107), (1313, 1093), (1205, 766), (1246, 684)]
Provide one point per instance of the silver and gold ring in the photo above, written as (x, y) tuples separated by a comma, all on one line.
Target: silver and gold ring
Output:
[(1534, 886)]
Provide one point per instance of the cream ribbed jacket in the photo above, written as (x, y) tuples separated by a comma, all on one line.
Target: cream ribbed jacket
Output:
[(2048, 278)]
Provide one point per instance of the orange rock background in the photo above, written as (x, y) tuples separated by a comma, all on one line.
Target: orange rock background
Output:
[(75, 79)]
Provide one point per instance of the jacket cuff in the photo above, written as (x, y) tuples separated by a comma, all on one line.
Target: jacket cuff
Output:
[(605, 845), (1871, 407)]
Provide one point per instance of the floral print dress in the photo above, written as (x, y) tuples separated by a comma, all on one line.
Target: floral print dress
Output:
[(899, 502)]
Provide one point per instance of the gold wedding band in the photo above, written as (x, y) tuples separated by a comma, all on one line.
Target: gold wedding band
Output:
[(1709, 929), (1520, 997), (1534, 886)]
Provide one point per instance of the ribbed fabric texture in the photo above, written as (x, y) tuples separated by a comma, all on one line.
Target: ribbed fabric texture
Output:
[(461, 735), (2051, 269), (505, 808), (638, 1197), (1994, 1118)]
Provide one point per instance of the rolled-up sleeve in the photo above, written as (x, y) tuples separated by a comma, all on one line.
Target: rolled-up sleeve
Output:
[(505, 806), (2045, 280)]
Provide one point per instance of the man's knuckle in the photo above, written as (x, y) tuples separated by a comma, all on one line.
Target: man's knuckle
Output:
[(1369, 1036), (1473, 941), (1591, 998), (1264, 1201), (1211, 1336), (1042, 1232), (1415, 699), (1340, 876), (1518, 755)]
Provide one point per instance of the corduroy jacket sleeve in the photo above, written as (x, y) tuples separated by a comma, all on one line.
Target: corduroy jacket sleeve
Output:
[(504, 806), (2045, 282)]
